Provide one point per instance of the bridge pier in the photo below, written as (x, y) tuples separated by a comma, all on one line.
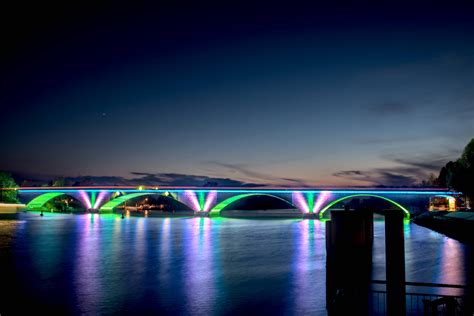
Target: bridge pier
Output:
[(349, 239), (105, 211), (310, 216), (395, 263), (348, 262), (201, 214)]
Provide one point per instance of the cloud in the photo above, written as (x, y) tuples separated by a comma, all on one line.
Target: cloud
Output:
[(390, 108), (142, 178), (406, 172), (135, 173), (243, 170), (296, 181), (395, 178), (378, 140), (426, 164), (348, 173), (379, 177), (259, 176), (178, 179)]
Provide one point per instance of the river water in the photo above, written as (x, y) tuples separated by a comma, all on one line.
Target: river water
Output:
[(91, 264)]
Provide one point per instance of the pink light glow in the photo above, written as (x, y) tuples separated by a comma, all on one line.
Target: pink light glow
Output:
[(84, 198), (323, 197), (300, 202), (211, 199), (100, 198), (192, 199)]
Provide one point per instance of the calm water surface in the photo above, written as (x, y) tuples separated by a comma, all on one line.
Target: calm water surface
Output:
[(104, 264)]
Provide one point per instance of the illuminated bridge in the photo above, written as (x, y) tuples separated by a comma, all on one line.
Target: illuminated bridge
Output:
[(211, 201)]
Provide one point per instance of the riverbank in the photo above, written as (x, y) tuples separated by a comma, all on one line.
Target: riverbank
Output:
[(8, 208), (456, 225)]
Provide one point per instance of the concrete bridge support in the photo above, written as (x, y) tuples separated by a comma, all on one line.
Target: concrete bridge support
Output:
[(348, 262), (395, 263), (349, 238)]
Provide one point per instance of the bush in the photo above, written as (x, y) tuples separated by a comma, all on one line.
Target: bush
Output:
[(7, 182)]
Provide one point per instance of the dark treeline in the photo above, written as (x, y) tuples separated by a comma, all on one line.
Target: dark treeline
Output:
[(459, 175), (6, 181)]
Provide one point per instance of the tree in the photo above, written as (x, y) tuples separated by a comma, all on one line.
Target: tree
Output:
[(459, 175), (432, 181), (467, 157), (443, 176), (466, 171), (7, 182), (59, 182)]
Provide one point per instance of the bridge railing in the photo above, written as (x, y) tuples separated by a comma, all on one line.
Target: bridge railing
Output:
[(425, 299)]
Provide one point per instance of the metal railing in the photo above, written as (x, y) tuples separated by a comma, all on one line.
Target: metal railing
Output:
[(419, 302)]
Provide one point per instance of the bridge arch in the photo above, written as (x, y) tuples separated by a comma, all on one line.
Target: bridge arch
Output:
[(445, 196), (405, 210), (110, 205), (450, 199), (216, 210), (38, 203)]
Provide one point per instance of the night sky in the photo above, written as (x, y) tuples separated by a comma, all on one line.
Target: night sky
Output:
[(268, 94)]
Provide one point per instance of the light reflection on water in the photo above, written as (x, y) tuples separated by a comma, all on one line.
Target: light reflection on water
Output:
[(164, 262), (104, 264), (87, 263), (200, 274), (451, 263), (309, 244)]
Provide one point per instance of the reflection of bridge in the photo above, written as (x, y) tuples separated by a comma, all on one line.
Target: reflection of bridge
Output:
[(211, 201)]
